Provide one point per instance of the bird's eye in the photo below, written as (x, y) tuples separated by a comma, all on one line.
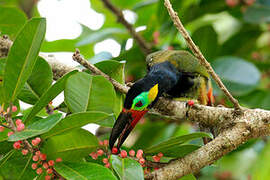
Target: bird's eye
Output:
[(139, 104)]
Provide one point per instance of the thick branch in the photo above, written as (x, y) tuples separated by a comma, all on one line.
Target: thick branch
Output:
[(177, 22), (145, 47)]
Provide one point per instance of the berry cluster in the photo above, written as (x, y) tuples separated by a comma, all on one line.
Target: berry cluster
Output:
[(233, 3), (139, 156), (41, 164)]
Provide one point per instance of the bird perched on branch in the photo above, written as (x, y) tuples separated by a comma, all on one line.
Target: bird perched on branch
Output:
[(172, 73)]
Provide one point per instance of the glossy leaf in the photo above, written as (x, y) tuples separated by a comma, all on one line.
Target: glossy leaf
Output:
[(11, 20), (71, 146), (188, 177), (206, 39), (256, 99), (48, 96), (127, 168), (238, 75), (16, 166), (39, 127), (262, 166), (84, 171), (33, 88), (257, 14), (84, 92), (22, 57), (175, 146), (78, 120), (115, 70)]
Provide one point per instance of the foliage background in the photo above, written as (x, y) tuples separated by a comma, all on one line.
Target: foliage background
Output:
[(235, 40)]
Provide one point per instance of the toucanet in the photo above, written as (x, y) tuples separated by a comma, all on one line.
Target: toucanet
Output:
[(171, 73)]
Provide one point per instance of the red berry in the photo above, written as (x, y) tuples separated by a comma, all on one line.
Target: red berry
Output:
[(94, 155), (10, 133), (39, 171), (139, 154), (38, 153), (160, 154), (100, 152), (18, 122), (156, 158), (43, 157), (105, 160), (24, 151), (249, 2), (17, 145), (51, 162), (131, 153), (49, 171), (114, 150), (35, 142), (34, 166), (45, 165), (156, 168), (190, 102), (35, 158), (123, 154), (20, 127), (106, 142), (14, 109), (48, 177), (141, 160), (58, 160), (100, 143), (2, 128), (232, 3), (107, 165), (38, 140)]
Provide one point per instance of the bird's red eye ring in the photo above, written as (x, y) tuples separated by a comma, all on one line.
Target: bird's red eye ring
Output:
[(139, 104)]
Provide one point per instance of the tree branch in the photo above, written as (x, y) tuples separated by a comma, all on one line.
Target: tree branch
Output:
[(145, 47), (177, 22)]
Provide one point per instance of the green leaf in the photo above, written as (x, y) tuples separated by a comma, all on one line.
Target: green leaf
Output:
[(84, 92), (48, 96), (85, 170), (175, 146), (16, 166), (188, 177), (37, 128), (71, 146), (22, 57), (256, 99), (127, 168), (103, 34), (206, 39), (11, 20), (115, 70), (77, 120), (33, 89), (257, 14), (261, 166), (238, 75)]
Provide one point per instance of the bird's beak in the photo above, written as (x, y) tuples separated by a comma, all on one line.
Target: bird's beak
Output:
[(124, 124)]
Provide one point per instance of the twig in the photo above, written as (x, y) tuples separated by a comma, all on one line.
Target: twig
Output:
[(177, 22), (78, 58), (145, 47)]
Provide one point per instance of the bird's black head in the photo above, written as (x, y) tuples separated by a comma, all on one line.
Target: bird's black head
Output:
[(140, 96)]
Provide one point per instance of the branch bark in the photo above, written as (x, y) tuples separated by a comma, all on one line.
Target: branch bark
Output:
[(177, 22), (145, 47)]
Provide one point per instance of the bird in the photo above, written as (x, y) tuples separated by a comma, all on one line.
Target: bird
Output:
[(170, 73)]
